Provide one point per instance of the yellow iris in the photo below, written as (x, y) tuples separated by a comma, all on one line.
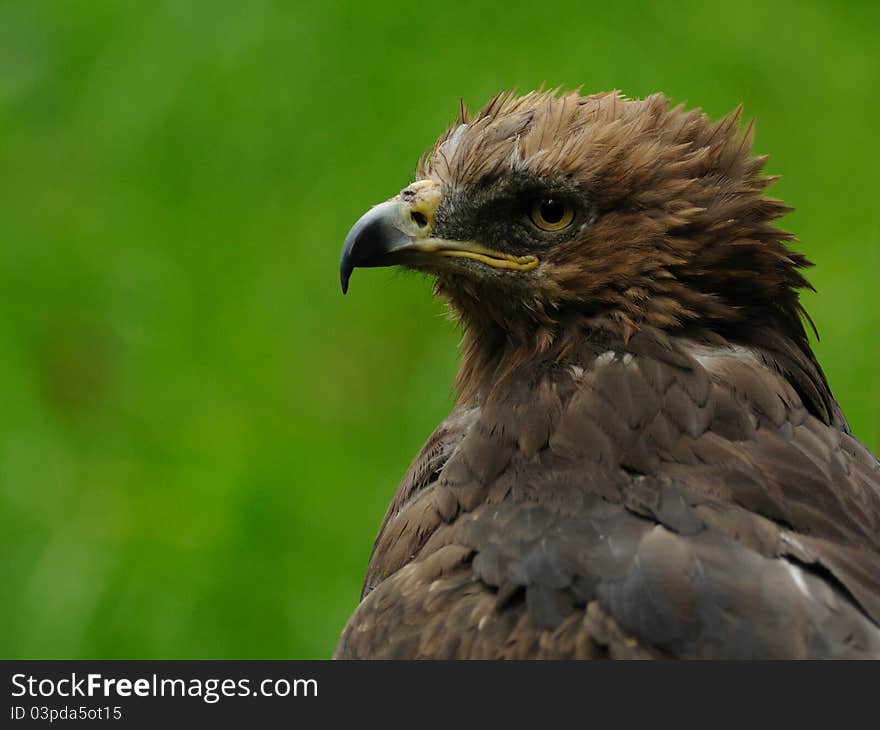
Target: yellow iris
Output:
[(550, 214)]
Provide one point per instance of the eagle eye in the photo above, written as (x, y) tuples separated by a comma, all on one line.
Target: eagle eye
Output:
[(551, 214)]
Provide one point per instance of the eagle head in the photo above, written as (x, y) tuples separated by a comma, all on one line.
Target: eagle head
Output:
[(550, 213)]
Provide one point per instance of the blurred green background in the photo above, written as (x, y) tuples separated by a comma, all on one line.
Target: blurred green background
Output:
[(199, 434)]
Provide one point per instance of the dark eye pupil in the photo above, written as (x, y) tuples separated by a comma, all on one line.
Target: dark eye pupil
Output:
[(552, 211)]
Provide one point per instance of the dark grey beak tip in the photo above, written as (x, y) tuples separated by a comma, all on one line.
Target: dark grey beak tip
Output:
[(351, 253), (371, 240)]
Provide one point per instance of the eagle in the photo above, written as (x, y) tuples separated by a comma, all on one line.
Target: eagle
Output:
[(644, 458)]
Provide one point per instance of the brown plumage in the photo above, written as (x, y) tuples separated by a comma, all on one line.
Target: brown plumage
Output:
[(645, 458)]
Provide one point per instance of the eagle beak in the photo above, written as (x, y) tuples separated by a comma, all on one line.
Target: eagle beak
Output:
[(379, 234), (400, 231)]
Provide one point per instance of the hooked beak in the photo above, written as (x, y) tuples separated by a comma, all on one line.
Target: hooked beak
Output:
[(400, 231)]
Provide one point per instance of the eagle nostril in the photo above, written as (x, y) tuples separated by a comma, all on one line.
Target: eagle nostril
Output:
[(419, 218)]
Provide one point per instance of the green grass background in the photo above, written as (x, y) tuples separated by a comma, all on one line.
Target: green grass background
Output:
[(199, 434)]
